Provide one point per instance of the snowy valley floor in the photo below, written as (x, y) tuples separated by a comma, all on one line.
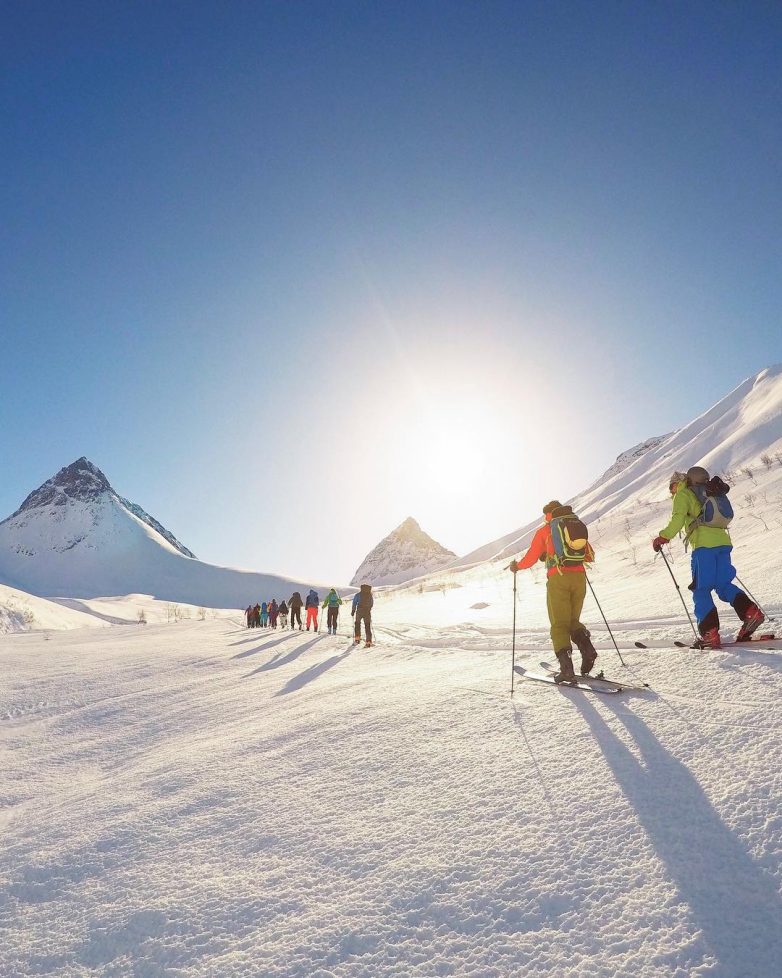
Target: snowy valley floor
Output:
[(196, 799)]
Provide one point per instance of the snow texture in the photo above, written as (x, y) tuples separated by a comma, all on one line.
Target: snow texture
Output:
[(406, 553)]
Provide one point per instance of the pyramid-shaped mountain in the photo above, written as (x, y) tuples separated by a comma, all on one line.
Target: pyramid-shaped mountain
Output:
[(75, 536), (405, 553)]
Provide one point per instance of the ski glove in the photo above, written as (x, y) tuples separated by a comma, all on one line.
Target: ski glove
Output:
[(658, 543), (514, 566)]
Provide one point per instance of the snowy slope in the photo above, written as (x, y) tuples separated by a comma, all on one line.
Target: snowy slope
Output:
[(407, 552), (732, 435), (76, 537), (198, 800)]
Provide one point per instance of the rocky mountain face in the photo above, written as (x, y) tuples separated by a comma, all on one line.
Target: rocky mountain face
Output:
[(405, 553), (83, 482)]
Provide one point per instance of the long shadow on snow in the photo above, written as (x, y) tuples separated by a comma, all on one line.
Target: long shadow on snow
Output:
[(263, 647), (733, 900), (312, 673), (283, 660)]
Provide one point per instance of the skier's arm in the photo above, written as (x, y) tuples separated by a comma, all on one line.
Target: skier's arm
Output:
[(537, 549), (678, 517)]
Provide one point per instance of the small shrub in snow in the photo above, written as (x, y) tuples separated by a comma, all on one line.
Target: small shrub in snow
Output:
[(142, 617), (755, 516), (749, 473), (767, 460)]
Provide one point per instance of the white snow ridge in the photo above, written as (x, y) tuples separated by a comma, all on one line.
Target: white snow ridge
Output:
[(407, 552), (200, 800)]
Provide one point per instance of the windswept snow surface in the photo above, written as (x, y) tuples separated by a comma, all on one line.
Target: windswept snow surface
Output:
[(197, 799)]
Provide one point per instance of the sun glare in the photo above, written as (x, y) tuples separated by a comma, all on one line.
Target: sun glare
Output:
[(450, 462)]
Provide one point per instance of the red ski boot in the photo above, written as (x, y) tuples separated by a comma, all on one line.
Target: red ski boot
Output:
[(753, 617)]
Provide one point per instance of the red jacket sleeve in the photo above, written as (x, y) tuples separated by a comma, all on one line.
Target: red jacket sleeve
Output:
[(536, 549)]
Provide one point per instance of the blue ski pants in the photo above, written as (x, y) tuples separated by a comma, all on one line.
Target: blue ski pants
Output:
[(712, 571)]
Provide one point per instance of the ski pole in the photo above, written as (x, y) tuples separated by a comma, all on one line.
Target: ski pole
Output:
[(604, 619), (681, 597), (513, 656), (745, 588)]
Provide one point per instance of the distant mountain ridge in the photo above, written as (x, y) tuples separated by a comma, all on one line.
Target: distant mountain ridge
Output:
[(75, 536), (406, 552)]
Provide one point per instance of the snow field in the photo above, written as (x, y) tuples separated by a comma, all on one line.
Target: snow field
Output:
[(202, 800)]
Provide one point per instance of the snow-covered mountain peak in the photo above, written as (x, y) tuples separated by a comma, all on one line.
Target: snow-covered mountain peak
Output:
[(76, 537), (406, 552), (80, 480)]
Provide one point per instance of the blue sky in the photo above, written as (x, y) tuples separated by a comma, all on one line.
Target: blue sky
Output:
[(291, 272)]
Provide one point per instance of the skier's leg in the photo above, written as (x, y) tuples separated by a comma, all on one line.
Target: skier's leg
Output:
[(725, 572), (558, 602), (704, 580), (579, 633)]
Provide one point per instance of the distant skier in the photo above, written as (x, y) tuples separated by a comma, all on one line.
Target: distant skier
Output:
[(312, 603), (295, 605), (701, 508), (257, 616), (562, 542), (332, 603), (264, 614), (249, 614), (283, 615), (274, 610), (361, 610)]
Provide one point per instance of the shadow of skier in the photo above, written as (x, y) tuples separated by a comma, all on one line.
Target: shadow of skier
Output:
[(734, 902), (263, 647), (311, 674), (282, 659)]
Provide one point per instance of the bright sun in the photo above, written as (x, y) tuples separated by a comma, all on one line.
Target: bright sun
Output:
[(447, 469)]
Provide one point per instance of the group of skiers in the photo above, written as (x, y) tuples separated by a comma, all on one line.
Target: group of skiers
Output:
[(271, 614), (700, 508)]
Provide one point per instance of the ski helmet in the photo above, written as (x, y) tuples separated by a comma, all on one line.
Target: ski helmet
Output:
[(697, 476)]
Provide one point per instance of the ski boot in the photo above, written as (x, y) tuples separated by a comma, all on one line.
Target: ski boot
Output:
[(710, 639), (752, 618), (368, 645), (588, 655), (566, 673)]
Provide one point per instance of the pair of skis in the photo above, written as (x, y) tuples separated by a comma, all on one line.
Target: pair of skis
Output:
[(589, 684), (753, 640)]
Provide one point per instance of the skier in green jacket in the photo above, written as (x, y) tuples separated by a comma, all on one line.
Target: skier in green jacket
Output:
[(712, 569), (332, 603)]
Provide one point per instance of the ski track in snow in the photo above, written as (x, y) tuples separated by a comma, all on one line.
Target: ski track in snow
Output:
[(196, 799)]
